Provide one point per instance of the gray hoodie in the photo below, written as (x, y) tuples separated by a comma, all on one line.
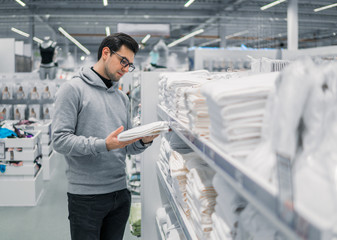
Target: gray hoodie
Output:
[(86, 112)]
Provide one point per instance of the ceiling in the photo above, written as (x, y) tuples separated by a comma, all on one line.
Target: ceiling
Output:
[(86, 20)]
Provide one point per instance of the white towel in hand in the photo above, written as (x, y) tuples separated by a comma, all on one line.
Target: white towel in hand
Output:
[(144, 130)]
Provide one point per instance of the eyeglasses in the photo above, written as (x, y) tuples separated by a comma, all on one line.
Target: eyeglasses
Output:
[(125, 62)]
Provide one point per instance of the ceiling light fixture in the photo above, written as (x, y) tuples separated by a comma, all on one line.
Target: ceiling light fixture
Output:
[(67, 35), (236, 34), (105, 3), (325, 7), (107, 31), (21, 3), (210, 42), (185, 37), (38, 40), (147, 37), (20, 32), (271, 4), (188, 3)]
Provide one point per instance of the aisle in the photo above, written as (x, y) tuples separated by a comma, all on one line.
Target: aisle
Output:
[(47, 220)]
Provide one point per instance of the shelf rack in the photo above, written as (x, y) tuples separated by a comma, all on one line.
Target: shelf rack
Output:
[(179, 213), (261, 195)]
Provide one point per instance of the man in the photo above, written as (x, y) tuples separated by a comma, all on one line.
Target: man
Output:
[(90, 112)]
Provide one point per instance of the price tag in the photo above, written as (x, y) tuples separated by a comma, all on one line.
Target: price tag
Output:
[(286, 195), (2, 150)]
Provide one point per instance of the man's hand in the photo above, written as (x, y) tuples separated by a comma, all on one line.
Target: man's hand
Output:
[(112, 142), (149, 138)]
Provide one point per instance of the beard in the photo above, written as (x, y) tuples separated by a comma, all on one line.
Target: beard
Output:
[(111, 76)]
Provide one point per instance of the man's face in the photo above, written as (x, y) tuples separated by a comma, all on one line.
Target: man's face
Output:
[(112, 67)]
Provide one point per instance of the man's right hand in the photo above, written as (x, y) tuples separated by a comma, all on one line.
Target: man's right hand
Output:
[(112, 142)]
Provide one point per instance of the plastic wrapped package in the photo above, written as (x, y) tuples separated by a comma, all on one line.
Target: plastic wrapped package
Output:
[(317, 165), (34, 112), (228, 203), (254, 226), (6, 112), (304, 131), (7, 90), (21, 91), (19, 111)]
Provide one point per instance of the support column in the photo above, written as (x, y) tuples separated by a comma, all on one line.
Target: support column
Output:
[(292, 16), (222, 35), (31, 41), (192, 42)]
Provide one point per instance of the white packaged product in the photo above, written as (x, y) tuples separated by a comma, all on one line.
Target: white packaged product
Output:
[(34, 112), (5, 112), (6, 91), (19, 111)]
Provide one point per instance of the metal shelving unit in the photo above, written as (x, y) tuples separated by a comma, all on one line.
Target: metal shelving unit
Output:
[(162, 237), (261, 195), (179, 213)]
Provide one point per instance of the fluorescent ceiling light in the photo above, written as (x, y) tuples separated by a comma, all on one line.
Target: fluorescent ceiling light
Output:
[(107, 30), (325, 7), (185, 37), (38, 40), (147, 37), (67, 35), (105, 2), (272, 4), (236, 34), (21, 3), (188, 3), (210, 42), (20, 32), (227, 37)]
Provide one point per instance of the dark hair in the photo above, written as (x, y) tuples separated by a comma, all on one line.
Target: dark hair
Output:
[(115, 41)]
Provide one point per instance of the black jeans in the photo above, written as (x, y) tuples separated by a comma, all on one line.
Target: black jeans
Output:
[(99, 217)]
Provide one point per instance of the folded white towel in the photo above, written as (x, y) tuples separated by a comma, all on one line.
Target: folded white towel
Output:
[(144, 130)]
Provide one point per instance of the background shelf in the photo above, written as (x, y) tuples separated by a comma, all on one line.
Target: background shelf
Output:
[(261, 195)]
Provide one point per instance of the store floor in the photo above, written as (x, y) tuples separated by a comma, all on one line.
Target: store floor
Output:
[(46, 221)]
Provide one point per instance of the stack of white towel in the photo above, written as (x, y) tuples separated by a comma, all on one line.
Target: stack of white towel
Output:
[(191, 181), (178, 174), (197, 111), (237, 108), (179, 164), (164, 156), (172, 86), (228, 206), (150, 129), (200, 198), (179, 107)]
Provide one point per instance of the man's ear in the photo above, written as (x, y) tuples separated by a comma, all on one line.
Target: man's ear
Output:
[(105, 53)]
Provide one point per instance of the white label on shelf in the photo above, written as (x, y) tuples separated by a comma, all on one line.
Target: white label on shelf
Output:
[(286, 196), (2, 150)]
